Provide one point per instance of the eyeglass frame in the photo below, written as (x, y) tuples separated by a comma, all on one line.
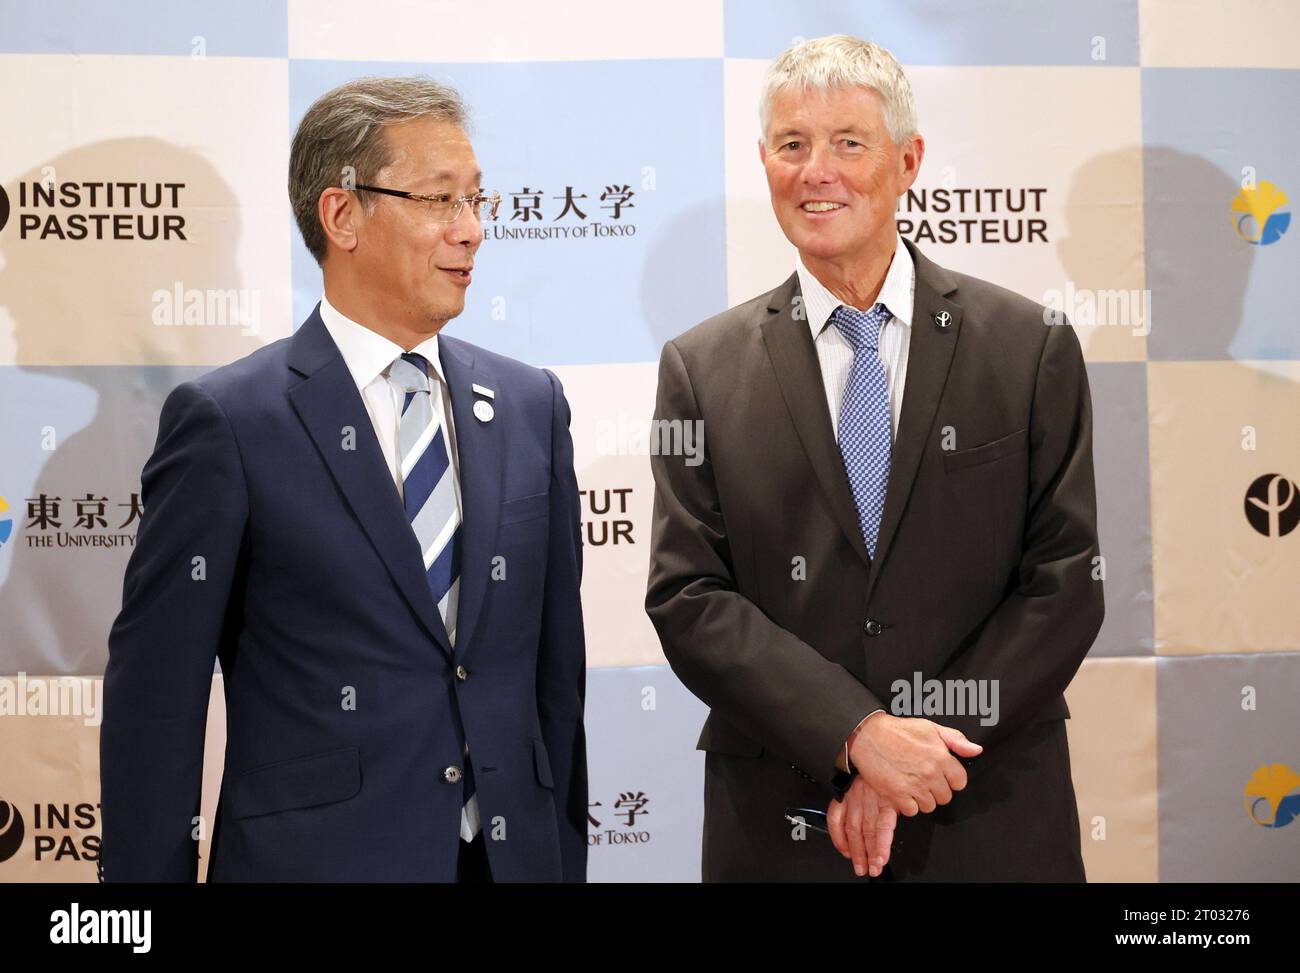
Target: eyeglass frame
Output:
[(494, 199)]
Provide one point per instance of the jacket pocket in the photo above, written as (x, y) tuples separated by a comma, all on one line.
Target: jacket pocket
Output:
[(525, 508), (322, 778), (719, 736), (1055, 710), (986, 453), (542, 764)]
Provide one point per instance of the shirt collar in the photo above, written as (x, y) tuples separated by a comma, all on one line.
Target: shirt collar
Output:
[(367, 353), (897, 293)]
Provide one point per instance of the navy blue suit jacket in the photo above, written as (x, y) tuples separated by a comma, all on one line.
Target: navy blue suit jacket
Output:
[(274, 539)]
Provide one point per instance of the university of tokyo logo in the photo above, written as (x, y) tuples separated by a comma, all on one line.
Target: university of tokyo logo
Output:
[(1273, 796), (6, 521), (1260, 214), (1272, 506)]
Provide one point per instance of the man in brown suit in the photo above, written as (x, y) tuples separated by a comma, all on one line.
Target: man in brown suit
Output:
[(894, 517)]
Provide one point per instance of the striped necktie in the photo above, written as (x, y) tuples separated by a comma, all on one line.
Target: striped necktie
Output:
[(429, 495), (864, 432), (428, 487)]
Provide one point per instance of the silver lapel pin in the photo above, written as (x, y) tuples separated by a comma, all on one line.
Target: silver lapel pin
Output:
[(943, 319), (483, 410)]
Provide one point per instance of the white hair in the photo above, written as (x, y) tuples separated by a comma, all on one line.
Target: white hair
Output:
[(841, 61)]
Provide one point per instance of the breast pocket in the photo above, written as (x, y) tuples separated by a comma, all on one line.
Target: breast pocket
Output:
[(987, 452), (525, 508)]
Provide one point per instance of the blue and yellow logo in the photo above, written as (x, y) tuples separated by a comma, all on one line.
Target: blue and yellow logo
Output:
[(6, 522), (1259, 214), (1273, 796)]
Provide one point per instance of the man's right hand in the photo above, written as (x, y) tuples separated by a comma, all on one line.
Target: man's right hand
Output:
[(909, 762)]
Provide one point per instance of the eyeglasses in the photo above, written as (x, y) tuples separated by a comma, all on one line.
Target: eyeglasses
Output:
[(443, 207)]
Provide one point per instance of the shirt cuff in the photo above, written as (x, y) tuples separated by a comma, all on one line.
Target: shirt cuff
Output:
[(843, 762)]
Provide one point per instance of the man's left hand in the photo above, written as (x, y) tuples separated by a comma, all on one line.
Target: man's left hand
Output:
[(862, 828)]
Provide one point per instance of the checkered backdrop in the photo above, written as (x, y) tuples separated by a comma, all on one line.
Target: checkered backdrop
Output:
[(1128, 163)]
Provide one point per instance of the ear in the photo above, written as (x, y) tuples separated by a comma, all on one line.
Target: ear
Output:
[(910, 163), (340, 215), (762, 151)]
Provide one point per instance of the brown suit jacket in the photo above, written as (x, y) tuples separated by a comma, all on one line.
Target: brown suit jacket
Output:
[(983, 570)]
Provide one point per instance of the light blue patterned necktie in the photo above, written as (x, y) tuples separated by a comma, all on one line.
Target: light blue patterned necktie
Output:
[(428, 490), (429, 495), (864, 426)]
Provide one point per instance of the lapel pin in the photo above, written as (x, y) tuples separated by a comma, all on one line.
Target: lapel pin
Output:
[(486, 392), (483, 411), (943, 319)]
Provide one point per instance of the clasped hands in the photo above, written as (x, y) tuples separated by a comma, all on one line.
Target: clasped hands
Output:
[(905, 765)]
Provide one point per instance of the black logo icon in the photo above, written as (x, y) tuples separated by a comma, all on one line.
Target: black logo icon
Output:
[(11, 830), (1272, 506)]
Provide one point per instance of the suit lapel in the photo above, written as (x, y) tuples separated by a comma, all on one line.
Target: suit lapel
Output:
[(480, 449), (328, 403), (794, 359), (929, 356), (930, 350)]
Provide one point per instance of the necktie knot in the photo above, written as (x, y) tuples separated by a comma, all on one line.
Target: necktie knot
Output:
[(860, 328), (411, 372)]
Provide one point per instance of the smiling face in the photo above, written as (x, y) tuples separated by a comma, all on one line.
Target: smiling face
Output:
[(834, 172), (415, 267)]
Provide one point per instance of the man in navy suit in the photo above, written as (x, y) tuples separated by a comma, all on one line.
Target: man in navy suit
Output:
[(374, 527)]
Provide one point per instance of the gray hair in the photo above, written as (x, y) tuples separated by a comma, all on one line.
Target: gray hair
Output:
[(842, 61), (343, 133)]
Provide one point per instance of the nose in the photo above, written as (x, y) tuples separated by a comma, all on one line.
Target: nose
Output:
[(820, 167), (466, 229)]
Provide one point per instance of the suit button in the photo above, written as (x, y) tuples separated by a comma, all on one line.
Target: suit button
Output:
[(872, 628), (452, 775), (462, 673)]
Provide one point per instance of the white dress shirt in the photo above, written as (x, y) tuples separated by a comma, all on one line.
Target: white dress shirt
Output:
[(368, 356), (835, 353)]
